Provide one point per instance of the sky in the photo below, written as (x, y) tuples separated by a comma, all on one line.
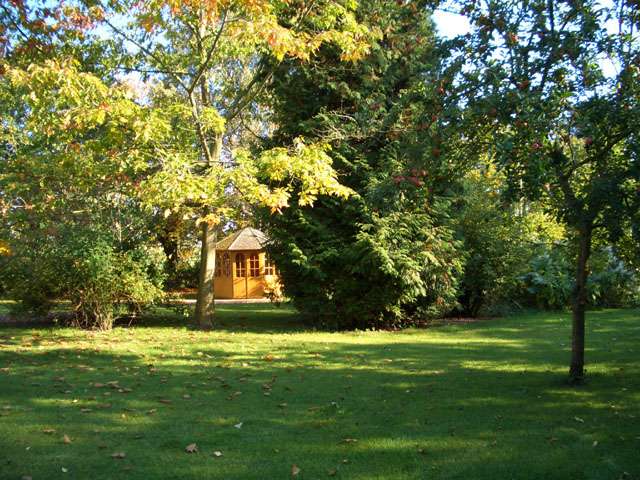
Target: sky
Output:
[(450, 24)]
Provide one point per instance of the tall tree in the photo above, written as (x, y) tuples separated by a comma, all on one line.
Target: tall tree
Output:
[(203, 49), (385, 256), (558, 83), (207, 54)]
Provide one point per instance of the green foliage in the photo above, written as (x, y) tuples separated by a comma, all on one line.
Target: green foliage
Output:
[(386, 256), (184, 272), (612, 282), (548, 284), (563, 128), (85, 267), (98, 280), (76, 151), (500, 240)]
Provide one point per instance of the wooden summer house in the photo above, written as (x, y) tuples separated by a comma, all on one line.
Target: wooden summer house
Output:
[(242, 266)]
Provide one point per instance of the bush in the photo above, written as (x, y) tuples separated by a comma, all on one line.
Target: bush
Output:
[(612, 283), (31, 277), (86, 268), (274, 291), (103, 283), (500, 241), (549, 283), (388, 272), (184, 272)]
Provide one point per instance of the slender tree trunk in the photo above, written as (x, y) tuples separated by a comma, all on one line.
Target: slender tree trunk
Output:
[(211, 145), (205, 305), (576, 371)]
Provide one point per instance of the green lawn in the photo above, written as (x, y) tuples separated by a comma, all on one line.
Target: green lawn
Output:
[(479, 401)]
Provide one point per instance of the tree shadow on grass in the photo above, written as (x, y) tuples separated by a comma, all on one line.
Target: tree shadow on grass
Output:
[(397, 407), (256, 318)]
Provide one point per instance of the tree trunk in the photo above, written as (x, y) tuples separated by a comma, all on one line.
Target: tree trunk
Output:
[(576, 371), (205, 305)]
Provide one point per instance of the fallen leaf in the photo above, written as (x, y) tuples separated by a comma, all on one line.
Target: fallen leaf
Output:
[(295, 470), (64, 470), (283, 405), (595, 443), (578, 419), (66, 439), (49, 431), (191, 448), (238, 425), (349, 440), (118, 455), (217, 453)]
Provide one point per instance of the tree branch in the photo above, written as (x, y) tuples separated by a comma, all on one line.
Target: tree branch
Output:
[(205, 64), (146, 51)]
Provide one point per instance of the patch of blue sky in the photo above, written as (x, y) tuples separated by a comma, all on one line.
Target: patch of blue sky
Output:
[(450, 25)]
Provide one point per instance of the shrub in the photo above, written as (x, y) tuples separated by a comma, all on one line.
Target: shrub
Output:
[(86, 268), (612, 283), (184, 272), (388, 272), (548, 283), (500, 242), (274, 291)]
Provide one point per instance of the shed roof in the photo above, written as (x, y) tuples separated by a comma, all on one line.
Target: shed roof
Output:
[(245, 239)]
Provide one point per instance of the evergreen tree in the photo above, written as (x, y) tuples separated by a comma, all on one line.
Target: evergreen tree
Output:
[(386, 255)]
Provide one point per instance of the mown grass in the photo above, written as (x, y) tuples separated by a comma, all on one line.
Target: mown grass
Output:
[(479, 401)]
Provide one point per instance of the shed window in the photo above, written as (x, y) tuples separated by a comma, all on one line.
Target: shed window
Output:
[(254, 265), (218, 265), (241, 266), (269, 266), (226, 265)]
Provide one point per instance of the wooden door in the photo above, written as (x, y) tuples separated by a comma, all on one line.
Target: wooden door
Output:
[(240, 276)]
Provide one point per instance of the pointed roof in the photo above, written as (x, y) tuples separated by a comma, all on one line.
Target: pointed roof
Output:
[(245, 239)]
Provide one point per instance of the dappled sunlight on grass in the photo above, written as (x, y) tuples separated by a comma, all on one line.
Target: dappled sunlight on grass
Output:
[(485, 400)]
